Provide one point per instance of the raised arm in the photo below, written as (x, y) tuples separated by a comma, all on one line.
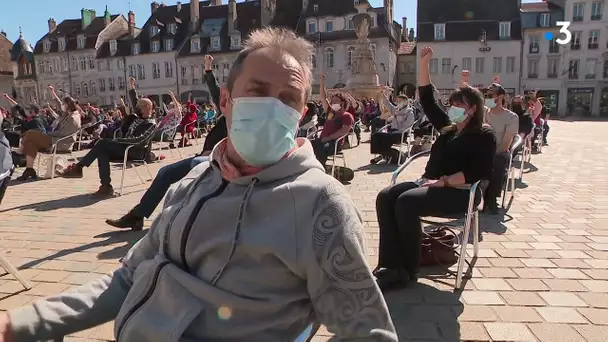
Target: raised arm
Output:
[(436, 116), (212, 84), (10, 100), (133, 97), (323, 93)]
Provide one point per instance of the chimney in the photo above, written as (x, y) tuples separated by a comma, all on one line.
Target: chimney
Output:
[(52, 25), (216, 3), (231, 16), (85, 17), (107, 17), (404, 24), (3, 33), (194, 14), (179, 6), (131, 19), (154, 6), (411, 37), (93, 14)]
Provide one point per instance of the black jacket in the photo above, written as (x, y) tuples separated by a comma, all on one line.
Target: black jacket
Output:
[(135, 129), (220, 130)]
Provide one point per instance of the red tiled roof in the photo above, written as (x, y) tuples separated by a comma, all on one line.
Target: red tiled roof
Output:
[(535, 7), (406, 48)]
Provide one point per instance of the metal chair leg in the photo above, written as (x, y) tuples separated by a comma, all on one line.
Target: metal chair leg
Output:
[(12, 270)]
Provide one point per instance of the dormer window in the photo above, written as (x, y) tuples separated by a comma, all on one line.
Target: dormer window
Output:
[(235, 42), (168, 44), (47, 46), (311, 27), (350, 24), (215, 43), (544, 19), (315, 8), (135, 49), (155, 46), (154, 30), (172, 28), (329, 26), (195, 45), (113, 47), (61, 43), (81, 41)]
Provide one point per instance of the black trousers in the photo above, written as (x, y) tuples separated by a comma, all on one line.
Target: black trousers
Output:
[(377, 123), (13, 138), (399, 209), (105, 151), (323, 149), (382, 142), (499, 173), (423, 129)]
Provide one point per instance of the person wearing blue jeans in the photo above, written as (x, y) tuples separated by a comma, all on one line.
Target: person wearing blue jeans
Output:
[(166, 176)]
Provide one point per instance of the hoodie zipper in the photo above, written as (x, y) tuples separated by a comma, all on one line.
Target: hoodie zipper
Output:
[(192, 218), (149, 292)]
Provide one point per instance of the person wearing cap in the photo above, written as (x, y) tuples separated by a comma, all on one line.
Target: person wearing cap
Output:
[(506, 126)]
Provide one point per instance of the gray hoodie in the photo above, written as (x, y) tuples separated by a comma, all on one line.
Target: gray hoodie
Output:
[(255, 259)]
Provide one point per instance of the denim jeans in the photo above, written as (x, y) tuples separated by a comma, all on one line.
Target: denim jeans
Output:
[(166, 176)]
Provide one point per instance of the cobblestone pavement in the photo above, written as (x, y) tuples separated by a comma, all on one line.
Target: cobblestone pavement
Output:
[(542, 274)]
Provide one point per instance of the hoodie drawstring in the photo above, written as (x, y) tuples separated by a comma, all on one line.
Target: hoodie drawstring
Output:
[(237, 231)]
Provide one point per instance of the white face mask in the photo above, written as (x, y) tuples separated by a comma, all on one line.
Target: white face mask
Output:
[(336, 106)]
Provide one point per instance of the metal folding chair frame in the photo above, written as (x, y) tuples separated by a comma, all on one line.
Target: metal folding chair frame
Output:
[(53, 153), (517, 142), (471, 219)]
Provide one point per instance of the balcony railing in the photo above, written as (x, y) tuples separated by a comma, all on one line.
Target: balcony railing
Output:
[(532, 75), (593, 46), (573, 76), (596, 16), (577, 18), (575, 46), (551, 75)]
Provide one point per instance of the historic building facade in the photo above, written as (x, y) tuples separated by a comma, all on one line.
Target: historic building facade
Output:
[(24, 71)]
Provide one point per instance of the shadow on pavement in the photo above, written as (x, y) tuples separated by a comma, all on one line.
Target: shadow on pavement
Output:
[(424, 312), (377, 168), (77, 201)]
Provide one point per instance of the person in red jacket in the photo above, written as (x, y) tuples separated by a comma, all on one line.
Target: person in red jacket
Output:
[(186, 127)]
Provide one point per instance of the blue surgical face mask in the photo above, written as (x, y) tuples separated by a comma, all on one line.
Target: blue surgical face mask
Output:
[(490, 103), (263, 129), (456, 114)]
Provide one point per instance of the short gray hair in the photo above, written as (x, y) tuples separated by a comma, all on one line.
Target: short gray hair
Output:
[(286, 41)]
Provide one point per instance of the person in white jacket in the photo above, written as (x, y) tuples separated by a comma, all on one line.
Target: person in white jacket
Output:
[(401, 117)]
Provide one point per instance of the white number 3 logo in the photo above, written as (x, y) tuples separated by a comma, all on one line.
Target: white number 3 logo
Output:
[(564, 31)]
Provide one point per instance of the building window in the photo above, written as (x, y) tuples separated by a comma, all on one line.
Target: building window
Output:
[(575, 43), (91, 61), (47, 46), (155, 46), (110, 64), (594, 39), (480, 65), (77, 89), (466, 63), (111, 84), (235, 41), (573, 69), (597, 9), (135, 49), (315, 8), (41, 67), (74, 64), (349, 55), (102, 85), (121, 83), (446, 66), (504, 30), (81, 42), (121, 64), (439, 31), (578, 11), (590, 68), (329, 26), (350, 24), (132, 71), (195, 45), (93, 88), (154, 30), (184, 72), (113, 47), (373, 21), (553, 46), (534, 44), (605, 73), (434, 66), (533, 68), (64, 64), (215, 43), (155, 70), (61, 43), (100, 65), (497, 65), (112, 100), (314, 61), (172, 28), (544, 19), (312, 27), (510, 65), (168, 69), (168, 44), (85, 89), (552, 67), (329, 58), (141, 72), (83, 63)]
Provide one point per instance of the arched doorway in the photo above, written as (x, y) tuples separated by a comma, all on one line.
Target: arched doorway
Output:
[(339, 86), (407, 88)]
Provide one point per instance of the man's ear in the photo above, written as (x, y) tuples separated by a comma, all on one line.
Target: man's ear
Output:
[(224, 99)]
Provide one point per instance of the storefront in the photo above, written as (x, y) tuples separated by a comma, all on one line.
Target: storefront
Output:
[(579, 101), (551, 98), (604, 102)]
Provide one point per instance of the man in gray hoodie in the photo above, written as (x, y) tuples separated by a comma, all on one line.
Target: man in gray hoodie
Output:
[(255, 245)]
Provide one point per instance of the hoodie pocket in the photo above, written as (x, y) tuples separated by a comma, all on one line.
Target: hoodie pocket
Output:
[(161, 308)]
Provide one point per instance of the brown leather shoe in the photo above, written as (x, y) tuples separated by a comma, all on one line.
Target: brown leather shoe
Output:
[(72, 171), (105, 191)]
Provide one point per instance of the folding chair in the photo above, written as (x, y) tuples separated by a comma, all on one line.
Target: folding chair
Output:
[(471, 219), (526, 154), (147, 144), (406, 136), (168, 128), (510, 179), (82, 129), (539, 138)]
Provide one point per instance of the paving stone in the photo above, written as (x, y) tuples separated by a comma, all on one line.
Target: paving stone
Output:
[(573, 254), (492, 284), (596, 285), (593, 333), (561, 315), (482, 298), (497, 272), (568, 285), (477, 313), (561, 273), (517, 314), (570, 263), (555, 333), (509, 332), (527, 284), (517, 298), (562, 299), (470, 331), (529, 262), (597, 274), (532, 273), (598, 300), (595, 315)]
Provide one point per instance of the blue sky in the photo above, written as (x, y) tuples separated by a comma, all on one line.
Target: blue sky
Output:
[(32, 15)]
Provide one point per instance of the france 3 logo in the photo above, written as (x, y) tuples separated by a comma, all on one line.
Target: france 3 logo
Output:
[(565, 36)]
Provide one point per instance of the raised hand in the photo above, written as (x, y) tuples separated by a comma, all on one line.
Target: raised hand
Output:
[(132, 82), (464, 77), (426, 54), (208, 63)]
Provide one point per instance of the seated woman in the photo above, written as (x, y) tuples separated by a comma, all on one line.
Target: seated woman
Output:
[(462, 155), (187, 125), (402, 117), (525, 119), (67, 123)]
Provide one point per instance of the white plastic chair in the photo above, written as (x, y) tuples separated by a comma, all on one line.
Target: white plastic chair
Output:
[(510, 179), (471, 219)]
